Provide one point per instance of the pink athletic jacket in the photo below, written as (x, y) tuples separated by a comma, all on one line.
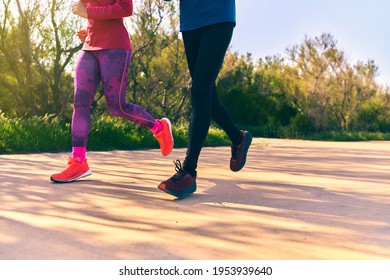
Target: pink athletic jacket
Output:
[(106, 29)]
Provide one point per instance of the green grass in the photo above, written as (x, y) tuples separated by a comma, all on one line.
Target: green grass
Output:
[(52, 134), (350, 136), (289, 133), (35, 134)]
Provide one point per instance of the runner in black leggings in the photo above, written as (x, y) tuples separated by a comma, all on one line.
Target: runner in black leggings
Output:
[(207, 28)]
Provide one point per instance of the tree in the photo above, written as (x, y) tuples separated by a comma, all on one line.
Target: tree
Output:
[(332, 90), (159, 79), (16, 49), (374, 114), (355, 86), (52, 60), (258, 88), (35, 78)]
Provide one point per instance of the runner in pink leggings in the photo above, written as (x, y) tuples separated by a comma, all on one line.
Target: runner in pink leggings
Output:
[(105, 58)]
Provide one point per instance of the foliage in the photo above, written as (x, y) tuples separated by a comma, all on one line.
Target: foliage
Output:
[(257, 89), (159, 79), (50, 133), (310, 90), (331, 90), (313, 89), (349, 136), (35, 134), (36, 47), (374, 115)]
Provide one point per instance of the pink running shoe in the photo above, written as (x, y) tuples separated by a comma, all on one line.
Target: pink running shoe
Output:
[(74, 171), (165, 137)]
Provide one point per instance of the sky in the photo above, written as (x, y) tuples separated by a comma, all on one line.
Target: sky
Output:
[(361, 28)]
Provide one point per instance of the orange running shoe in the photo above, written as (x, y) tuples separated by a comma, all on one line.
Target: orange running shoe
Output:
[(165, 137), (73, 172)]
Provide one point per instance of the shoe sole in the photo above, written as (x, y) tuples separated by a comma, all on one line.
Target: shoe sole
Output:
[(89, 172), (170, 130), (246, 148), (179, 195)]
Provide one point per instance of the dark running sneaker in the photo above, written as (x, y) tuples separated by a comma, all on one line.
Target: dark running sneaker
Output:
[(239, 152), (181, 184)]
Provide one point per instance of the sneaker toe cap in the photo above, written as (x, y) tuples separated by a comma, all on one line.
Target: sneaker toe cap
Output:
[(162, 186)]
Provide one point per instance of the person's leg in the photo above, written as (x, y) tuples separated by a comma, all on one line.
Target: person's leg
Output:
[(114, 65), (219, 113), (241, 140), (86, 81), (222, 117), (205, 51)]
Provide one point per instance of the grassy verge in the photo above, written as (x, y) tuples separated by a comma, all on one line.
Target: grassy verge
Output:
[(51, 134), (289, 133), (350, 136)]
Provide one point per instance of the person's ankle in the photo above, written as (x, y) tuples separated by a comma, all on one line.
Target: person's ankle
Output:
[(190, 171), (157, 128)]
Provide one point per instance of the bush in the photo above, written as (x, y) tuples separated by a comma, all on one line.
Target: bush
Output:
[(52, 134), (35, 134)]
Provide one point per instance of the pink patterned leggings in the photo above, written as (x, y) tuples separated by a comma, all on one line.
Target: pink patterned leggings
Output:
[(109, 67)]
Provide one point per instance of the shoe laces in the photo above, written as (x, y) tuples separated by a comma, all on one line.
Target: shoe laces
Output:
[(180, 172), (71, 160)]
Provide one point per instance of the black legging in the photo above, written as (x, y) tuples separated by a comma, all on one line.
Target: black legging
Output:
[(205, 50)]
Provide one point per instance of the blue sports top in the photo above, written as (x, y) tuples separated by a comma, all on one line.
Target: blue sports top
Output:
[(195, 14)]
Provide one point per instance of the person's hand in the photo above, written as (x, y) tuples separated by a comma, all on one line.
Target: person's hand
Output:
[(79, 9), (82, 34)]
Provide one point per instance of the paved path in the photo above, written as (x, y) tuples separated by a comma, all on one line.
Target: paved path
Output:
[(294, 200)]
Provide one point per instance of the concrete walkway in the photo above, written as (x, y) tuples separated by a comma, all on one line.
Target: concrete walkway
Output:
[(294, 200)]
